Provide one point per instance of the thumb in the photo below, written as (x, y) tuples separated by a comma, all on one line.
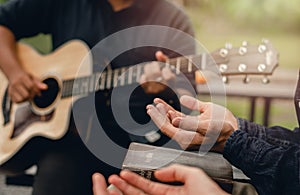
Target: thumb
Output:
[(173, 173)]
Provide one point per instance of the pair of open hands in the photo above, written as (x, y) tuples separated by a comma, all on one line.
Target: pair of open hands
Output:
[(212, 126)]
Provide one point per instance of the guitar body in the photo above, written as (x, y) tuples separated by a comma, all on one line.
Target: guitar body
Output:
[(46, 118)]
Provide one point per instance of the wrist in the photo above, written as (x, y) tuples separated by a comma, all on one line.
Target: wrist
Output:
[(14, 73), (221, 142)]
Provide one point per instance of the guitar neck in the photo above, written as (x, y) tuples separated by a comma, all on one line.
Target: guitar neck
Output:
[(245, 60), (129, 75)]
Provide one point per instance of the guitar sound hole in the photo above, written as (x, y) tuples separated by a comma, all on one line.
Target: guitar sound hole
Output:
[(47, 96)]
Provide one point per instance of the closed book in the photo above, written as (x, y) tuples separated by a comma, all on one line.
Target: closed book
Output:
[(144, 159)]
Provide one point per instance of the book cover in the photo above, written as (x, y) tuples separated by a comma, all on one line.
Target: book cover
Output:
[(144, 159)]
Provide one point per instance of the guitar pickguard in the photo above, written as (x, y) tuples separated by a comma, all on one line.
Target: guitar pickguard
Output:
[(25, 117)]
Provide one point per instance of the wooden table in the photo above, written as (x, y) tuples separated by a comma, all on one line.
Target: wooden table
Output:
[(280, 87)]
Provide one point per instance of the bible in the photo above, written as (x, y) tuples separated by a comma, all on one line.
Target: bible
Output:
[(144, 159)]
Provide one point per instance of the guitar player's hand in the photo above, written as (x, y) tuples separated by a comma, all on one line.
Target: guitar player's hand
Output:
[(154, 79), (23, 86), (194, 180), (212, 126)]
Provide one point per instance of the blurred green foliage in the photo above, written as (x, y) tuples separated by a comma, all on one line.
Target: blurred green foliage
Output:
[(277, 14), (217, 22)]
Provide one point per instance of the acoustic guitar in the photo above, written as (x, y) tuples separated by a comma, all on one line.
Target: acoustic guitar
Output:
[(48, 115)]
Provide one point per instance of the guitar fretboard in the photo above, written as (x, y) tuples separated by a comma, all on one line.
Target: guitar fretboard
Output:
[(111, 78)]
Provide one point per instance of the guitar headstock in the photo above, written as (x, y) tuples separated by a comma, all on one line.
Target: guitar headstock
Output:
[(246, 60)]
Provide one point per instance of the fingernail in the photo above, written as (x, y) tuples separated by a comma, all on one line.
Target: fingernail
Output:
[(124, 172), (177, 120), (170, 112), (149, 106), (96, 175)]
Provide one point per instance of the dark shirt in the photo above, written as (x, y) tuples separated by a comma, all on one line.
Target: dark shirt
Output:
[(269, 156), (65, 165), (93, 21), (90, 20)]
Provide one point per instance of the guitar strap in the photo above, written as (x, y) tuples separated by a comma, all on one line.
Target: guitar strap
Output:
[(297, 99)]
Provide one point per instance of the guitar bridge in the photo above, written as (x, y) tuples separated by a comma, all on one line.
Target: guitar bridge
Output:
[(6, 107)]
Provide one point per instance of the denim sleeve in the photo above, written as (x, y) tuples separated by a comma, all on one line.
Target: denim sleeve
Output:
[(272, 169), (276, 135)]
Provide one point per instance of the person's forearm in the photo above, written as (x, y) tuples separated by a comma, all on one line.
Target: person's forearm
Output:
[(276, 135), (267, 165), (8, 58)]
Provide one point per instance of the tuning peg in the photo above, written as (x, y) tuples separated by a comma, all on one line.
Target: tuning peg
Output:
[(265, 80), (242, 50), (244, 43), (246, 79), (261, 67), (225, 79), (265, 41), (228, 46), (223, 68), (262, 48), (242, 67), (223, 53)]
